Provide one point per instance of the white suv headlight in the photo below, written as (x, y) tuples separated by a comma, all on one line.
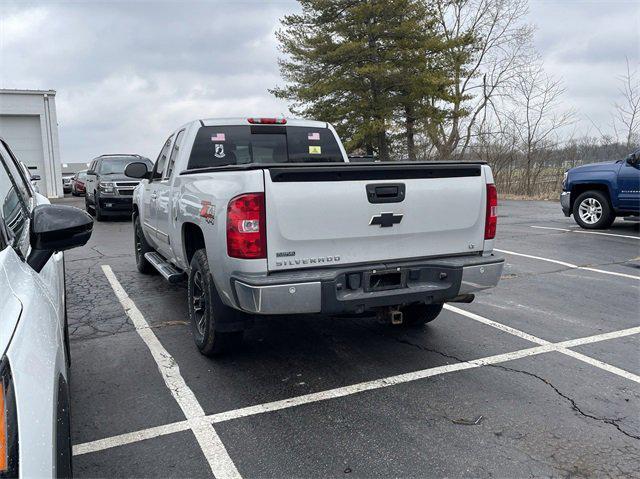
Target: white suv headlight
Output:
[(106, 186)]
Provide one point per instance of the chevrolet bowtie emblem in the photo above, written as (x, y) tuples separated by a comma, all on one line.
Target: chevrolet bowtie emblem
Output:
[(385, 220)]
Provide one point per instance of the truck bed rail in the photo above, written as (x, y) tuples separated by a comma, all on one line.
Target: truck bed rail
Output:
[(353, 171)]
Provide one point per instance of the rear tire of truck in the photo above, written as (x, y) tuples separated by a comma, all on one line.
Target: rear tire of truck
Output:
[(206, 307), (592, 210), (141, 247), (417, 315)]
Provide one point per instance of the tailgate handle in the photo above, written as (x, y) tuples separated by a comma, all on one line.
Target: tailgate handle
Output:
[(386, 192)]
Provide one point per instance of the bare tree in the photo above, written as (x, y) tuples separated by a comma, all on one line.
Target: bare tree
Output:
[(537, 119), (626, 119), (496, 144), (499, 45)]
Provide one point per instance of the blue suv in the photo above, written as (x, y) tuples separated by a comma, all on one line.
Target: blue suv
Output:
[(597, 193)]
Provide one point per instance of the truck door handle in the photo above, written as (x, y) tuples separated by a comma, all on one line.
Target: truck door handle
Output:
[(386, 192)]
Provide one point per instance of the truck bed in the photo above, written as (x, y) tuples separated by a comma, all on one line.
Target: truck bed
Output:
[(342, 213)]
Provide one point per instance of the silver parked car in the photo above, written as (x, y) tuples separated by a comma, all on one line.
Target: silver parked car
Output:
[(66, 183), (34, 349)]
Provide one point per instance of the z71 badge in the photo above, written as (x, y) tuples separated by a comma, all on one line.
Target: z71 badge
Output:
[(208, 212)]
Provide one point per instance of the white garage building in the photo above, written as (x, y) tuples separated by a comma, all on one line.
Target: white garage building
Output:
[(28, 123)]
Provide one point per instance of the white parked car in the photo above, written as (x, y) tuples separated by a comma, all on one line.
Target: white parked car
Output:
[(267, 216), (34, 350), (33, 179)]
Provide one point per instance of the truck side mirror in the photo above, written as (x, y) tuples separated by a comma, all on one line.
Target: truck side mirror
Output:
[(56, 228), (137, 169), (91, 172), (633, 159)]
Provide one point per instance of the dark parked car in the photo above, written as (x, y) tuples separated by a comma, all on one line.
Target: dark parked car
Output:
[(108, 190), (78, 183), (597, 193)]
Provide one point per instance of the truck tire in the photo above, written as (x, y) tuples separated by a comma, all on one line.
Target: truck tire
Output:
[(141, 247), (592, 210), (206, 307), (98, 212), (88, 208), (418, 314)]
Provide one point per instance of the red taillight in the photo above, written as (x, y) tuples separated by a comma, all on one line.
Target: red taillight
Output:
[(246, 227), (491, 221), (267, 121)]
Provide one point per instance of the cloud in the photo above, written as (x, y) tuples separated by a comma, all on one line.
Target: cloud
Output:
[(586, 44), (22, 25), (129, 73)]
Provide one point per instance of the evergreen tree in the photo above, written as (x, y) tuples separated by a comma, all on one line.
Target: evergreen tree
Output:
[(421, 79), (357, 63)]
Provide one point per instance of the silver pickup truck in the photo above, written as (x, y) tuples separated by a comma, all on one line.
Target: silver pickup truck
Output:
[(266, 216)]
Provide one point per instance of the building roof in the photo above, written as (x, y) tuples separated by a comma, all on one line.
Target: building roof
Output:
[(72, 168), (12, 91)]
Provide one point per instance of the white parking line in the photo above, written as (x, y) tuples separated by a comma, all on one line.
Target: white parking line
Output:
[(494, 324), (567, 265), (585, 232), (130, 437), (561, 347), (360, 387), (377, 384), (219, 460), (602, 365), (549, 228)]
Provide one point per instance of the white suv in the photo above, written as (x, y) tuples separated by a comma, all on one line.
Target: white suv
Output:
[(34, 348)]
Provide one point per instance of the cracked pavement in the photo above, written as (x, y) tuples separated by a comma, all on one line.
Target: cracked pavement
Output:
[(542, 416)]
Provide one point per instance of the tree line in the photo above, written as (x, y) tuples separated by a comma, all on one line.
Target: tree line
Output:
[(390, 71), (432, 79)]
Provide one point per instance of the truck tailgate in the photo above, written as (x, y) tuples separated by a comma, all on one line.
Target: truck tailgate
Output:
[(346, 214)]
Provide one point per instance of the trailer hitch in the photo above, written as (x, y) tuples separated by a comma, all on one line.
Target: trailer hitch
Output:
[(390, 314)]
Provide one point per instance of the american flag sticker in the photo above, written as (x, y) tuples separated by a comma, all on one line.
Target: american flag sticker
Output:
[(218, 137), (314, 136)]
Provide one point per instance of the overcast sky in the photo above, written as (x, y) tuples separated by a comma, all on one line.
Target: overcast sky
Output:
[(128, 73)]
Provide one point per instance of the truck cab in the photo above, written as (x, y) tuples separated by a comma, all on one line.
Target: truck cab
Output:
[(596, 194)]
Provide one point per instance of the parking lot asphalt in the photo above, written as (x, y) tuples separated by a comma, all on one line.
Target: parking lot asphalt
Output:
[(537, 377)]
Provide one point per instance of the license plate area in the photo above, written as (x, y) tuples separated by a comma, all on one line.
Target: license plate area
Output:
[(385, 280)]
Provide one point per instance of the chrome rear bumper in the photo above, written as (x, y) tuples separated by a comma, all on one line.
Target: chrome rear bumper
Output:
[(329, 290), (280, 299), (479, 277)]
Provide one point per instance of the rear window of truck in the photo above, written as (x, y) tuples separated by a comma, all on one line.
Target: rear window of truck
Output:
[(238, 145)]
